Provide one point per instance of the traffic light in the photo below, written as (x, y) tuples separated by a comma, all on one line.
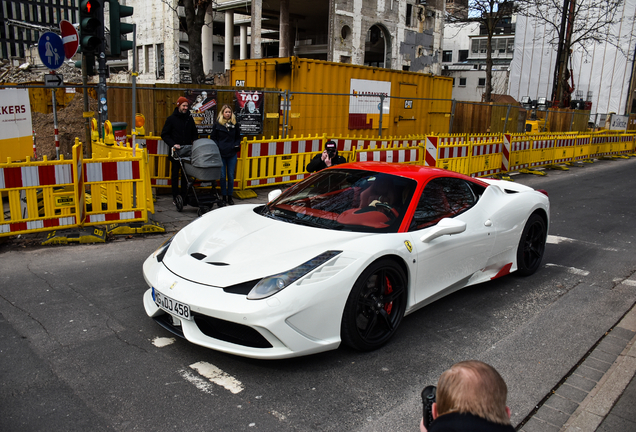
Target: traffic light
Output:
[(119, 29), (91, 26)]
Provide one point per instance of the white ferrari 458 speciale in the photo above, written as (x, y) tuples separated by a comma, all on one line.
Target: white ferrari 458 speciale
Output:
[(340, 257)]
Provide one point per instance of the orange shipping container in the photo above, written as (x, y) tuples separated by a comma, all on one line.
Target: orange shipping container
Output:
[(345, 99)]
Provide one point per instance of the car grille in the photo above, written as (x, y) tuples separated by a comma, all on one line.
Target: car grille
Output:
[(230, 332)]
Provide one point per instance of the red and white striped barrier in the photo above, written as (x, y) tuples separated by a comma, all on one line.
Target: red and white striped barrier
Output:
[(389, 155), (111, 171), (279, 148), (30, 176)]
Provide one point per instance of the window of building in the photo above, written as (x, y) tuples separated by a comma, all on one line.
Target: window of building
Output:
[(219, 56), (462, 82), (510, 48), (462, 55), (409, 15), (481, 82), (474, 46), (447, 56), (501, 45), (160, 61), (482, 46), (140, 59), (146, 58)]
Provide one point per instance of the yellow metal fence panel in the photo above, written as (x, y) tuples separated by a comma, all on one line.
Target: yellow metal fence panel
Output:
[(270, 162), (486, 156), (117, 190), (41, 196), (516, 152), (564, 148), (454, 153), (542, 152)]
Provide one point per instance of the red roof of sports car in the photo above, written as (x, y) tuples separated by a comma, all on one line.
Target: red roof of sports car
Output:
[(416, 172)]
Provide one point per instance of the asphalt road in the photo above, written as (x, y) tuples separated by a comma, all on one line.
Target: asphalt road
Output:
[(77, 351)]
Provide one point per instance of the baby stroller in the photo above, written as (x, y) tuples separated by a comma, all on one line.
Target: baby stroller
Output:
[(200, 162)]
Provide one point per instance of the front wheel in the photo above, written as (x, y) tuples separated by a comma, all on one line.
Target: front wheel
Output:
[(178, 201), (531, 246), (375, 306)]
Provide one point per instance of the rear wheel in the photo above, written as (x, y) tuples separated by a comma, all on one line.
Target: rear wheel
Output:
[(531, 246), (375, 306)]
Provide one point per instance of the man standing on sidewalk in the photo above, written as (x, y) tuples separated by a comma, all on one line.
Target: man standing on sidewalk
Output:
[(179, 130)]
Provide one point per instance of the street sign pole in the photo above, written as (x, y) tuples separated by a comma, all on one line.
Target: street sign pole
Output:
[(57, 136)]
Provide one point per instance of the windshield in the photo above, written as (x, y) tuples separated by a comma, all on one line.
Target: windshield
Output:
[(348, 200)]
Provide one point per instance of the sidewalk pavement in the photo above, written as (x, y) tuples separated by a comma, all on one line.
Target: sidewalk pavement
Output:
[(600, 392)]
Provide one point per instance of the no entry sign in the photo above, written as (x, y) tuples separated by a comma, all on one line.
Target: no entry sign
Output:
[(69, 38)]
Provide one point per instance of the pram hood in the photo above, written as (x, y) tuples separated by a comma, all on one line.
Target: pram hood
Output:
[(205, 154), (204, 161)]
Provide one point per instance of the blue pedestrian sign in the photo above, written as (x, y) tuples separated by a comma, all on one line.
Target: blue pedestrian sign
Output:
[(51, 50)]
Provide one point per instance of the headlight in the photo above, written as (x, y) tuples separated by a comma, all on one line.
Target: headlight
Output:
[(272, 284), (161, 251)]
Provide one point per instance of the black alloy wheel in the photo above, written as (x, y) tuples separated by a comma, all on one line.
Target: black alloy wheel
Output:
[(531, 246), (375, 306)]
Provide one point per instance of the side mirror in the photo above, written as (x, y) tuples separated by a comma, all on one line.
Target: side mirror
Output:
[(446, 226), (272, 195)]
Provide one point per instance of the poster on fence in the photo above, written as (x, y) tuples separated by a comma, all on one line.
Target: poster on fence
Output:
[(364, 103), (203, 109), (249, 112), (16, 131)]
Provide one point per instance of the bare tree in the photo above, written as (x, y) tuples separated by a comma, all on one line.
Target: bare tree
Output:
[(195, 11), (489, 14), (574, 23)]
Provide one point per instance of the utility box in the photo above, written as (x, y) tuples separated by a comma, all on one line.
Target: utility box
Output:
[(342, 99)]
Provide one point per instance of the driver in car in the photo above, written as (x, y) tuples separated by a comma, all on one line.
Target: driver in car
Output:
[(380, 192)]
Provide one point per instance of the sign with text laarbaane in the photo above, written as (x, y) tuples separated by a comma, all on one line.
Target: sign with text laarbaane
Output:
[(368, 99), (203, 109), (249, 111)]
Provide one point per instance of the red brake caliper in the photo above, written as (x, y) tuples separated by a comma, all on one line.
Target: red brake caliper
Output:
[(389, 290)]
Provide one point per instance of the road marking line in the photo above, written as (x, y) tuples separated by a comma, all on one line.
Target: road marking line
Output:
[(217, 376), (161, 342), (557, 239), (629, 282), (572, 270), (198, 382)]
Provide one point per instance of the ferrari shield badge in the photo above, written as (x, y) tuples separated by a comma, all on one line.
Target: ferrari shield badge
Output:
[(408, 245)]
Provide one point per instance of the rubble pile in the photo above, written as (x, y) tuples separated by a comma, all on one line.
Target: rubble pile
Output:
[(70, 124), (28, 73)]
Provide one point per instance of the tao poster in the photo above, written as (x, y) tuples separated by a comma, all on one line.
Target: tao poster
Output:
[(249, 111)]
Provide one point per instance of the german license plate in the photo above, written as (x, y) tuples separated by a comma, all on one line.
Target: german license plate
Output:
[(171, 306)]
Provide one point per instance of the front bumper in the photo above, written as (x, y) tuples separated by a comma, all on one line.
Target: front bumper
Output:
[(297, 321)]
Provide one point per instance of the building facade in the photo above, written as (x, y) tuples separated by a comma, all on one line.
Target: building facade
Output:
[(22, 22), (464, 58)]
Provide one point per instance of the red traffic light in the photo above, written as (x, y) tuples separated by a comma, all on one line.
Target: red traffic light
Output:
[(89, 7)]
